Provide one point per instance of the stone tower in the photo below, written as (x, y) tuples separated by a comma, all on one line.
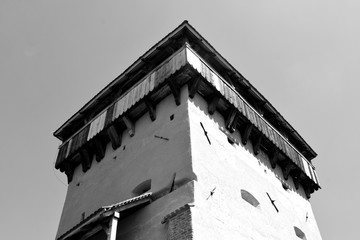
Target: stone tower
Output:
[(182, 146)]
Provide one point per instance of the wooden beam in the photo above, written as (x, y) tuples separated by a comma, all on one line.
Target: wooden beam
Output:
[(213, 104), (194, 86), (69, 171), (175, 89), (111, 234), (99, 150), (85, 159), (257, 144), (114, 136), (246, 134), (231, 121), (130, 125), (287, 169), (151, 107), (274, 159)]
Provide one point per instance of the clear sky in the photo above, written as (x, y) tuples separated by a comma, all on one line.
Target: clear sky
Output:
[(303, 56)]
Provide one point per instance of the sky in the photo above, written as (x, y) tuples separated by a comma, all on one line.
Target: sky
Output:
[(303, 56)]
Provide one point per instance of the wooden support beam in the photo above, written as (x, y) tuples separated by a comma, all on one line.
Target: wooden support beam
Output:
[(246, 134), (175, 89), (112, 230), (231, 120), (213, 104), (85, 159), (194, 86), (99, 150), (114, 136), (130, 125), (69, 171), (274, 159), (257, 144), (151, 107), (287, 169)]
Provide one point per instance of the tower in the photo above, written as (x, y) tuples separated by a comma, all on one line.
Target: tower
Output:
[(182, 146)]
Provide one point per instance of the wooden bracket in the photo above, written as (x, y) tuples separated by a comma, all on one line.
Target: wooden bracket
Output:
[(274, 159), (130, 125), (99, 150), (213, 104), (257, 144), (175, 89), (69, 171), (296, 179), (194, 87), (287, 169), (85, 159), (246, 134), (114, 136), (231, 121), (151, 108)]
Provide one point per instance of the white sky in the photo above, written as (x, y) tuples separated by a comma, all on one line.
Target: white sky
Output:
[(303, 56)]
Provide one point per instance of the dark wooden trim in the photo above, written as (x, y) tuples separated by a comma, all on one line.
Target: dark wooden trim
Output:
[(115, 137), (231, 120), (257, 144), (246, 134), (213, 104), (151, 107), (175, 89), (99, 149), (274, 159), (287, 170), (130, 125), (69, 171), (85, 159), (194, 86)]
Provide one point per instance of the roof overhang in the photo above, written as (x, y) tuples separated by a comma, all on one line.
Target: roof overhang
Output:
[(186, 33)]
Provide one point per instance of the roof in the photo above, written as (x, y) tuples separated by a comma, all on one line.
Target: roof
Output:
[(107, 211), (155, 55)]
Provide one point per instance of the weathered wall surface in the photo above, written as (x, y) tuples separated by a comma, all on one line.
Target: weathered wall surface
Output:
[(226, 169), (138, 159)]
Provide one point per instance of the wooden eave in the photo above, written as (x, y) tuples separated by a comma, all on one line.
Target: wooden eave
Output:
[(159, 52)]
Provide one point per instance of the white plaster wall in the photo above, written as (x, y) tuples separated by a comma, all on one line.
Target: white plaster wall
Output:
[(230, 168), (145, 157)]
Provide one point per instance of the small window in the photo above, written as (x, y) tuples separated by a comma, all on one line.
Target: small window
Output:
[(248, 197), (142, 187), (300, 234)]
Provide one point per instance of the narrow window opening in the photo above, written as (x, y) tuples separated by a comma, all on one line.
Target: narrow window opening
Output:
[(300, 234), (124, 147), (142, 187), (248, 197), (82, 216), (172, 117)]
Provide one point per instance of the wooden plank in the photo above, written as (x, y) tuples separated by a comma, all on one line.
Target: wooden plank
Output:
[(231, 120), (213, 104), (130, 125), (246, 134), (194, 87), (99, 150), (114, 136), (151, 107), (175, 89)]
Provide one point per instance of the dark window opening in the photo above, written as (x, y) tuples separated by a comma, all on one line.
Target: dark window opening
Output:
[(172, 117)]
